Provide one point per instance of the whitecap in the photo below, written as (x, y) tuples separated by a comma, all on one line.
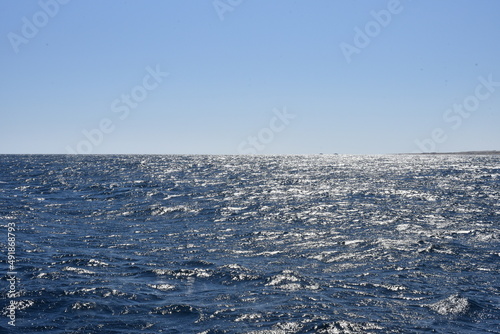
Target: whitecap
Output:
[(97, 263), (351, 242), (18, 305), (83, 306), (162, 287), (78, 270), (453, 305), (252, 316)]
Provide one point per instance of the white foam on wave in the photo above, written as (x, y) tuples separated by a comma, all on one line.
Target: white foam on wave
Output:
[(246, 317), (83, 306), (18, 305), (97, 263), (453, 305), (352, 242), (78, 270), (287, 280), (162, 287)]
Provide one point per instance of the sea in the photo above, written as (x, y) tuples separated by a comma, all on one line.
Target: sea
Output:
[(249, 244)]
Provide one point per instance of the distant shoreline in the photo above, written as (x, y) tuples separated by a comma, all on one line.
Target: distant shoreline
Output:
[(260, 155), (461, 153)]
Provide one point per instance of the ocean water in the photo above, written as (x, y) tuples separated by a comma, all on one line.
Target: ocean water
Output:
[(262, 244)]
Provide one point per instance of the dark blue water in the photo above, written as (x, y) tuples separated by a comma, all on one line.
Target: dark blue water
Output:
[(228, 244)]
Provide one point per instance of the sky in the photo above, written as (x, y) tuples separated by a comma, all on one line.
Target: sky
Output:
[(249, 77)]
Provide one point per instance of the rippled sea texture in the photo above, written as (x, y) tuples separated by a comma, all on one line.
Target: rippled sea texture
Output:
[(228, 244)]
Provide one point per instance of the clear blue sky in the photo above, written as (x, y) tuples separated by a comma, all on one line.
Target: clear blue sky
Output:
[(234, 65)]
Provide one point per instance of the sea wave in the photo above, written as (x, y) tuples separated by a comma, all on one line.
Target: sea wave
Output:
[(264, 244)]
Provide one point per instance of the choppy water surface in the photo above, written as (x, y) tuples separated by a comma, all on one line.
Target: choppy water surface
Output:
[(228, 244)]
